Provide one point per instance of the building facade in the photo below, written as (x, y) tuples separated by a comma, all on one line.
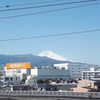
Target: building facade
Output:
[(75, 69), (50, 73), (15, 75), (87, 86), (93, 74)]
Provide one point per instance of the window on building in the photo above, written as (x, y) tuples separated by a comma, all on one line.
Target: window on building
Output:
[(7, 79), (19, 71), (89, 84), (7, 71), (11, 78), (96, 84)]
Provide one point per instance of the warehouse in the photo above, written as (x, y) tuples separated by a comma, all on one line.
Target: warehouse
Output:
[(50, 73)]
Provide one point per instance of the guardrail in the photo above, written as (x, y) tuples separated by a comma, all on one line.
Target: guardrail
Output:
[(51, 94)]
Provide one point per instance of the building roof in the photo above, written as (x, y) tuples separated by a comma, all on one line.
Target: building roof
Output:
[(89, 88)]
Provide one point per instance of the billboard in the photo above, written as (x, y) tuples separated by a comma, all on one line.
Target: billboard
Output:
[(18, 65)]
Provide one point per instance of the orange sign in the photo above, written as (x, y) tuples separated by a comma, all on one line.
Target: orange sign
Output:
[(18, 65)]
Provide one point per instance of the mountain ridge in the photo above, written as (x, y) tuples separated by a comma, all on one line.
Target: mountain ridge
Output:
[(35, 60)]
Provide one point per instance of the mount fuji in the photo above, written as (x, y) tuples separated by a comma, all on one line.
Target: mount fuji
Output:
[(52, 55)]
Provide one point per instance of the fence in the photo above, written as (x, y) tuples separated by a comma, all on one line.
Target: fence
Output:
[(51, 94)]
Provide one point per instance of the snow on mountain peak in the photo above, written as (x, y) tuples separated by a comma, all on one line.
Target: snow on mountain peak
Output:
[(52, 55)]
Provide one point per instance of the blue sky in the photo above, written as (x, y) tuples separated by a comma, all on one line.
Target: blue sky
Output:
[(79, 47)]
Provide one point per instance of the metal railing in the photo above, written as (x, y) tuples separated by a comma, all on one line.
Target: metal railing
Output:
[(51, 94)]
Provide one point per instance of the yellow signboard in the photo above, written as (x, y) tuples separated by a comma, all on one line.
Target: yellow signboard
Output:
[(18, 65)]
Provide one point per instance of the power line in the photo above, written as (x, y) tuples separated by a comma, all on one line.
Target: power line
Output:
[(49, 11), (54, 35), (47, 5), (29, 3)]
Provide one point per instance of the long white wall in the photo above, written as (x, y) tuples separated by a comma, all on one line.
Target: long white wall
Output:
[(50, 73)]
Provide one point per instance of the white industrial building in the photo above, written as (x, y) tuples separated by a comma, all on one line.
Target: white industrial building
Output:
[(50, 73), (15, 75), (93, 74), (18, 74), (64, 71), (75, 69)]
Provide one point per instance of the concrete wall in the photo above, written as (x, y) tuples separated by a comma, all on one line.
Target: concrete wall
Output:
[(34, 72), (85, 83), (80, 90), (51, 73), (90, 86)]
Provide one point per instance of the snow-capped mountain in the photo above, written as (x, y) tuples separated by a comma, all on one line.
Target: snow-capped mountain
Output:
[(52, 55)]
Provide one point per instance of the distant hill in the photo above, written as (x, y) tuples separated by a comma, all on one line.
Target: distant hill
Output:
[(35, 60), (46, 58)]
